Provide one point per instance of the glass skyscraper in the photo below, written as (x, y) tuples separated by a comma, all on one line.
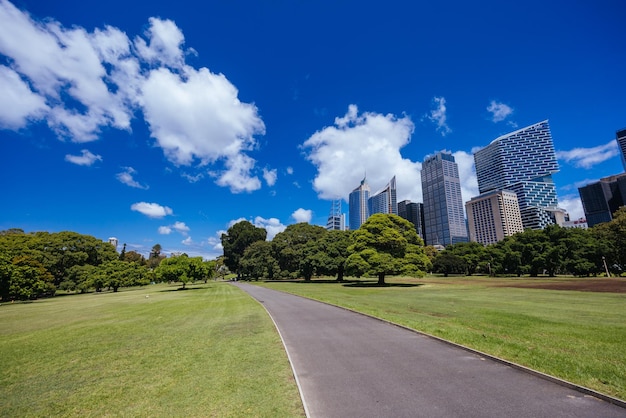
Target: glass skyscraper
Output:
[(601, 199), (524, 162), (414, 213), (620, 136), (359, 205), (444, 220), (385, 201)]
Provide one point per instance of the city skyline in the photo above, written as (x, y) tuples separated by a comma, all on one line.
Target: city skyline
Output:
[(160, 122)]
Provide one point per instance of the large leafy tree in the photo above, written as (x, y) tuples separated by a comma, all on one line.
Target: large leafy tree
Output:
[(473, 253), (258, 261), (612, 239), (293, 249), (386, 244), (330, 252), (447, 262), (29, 279), (235, 241)]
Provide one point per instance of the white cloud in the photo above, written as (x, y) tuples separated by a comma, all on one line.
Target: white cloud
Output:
[(151, 210), (86, 158), (467, 174), (572, 204), (589, 157), (178, 226), (165, 230), (438, 116), (187, 241), (272, 225), (270, 176), (357, 145), (181, 227), (20, 105), (80, 82), (164, 45), (126, 177), (302, 215), (499, 111), (290, 170)]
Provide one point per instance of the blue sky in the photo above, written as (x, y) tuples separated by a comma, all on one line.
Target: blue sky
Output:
[(165, 122)]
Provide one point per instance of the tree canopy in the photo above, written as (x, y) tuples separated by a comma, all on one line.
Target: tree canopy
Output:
[(235, 241)]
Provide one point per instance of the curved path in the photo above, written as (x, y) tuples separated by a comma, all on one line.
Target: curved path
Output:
[(351, 365)]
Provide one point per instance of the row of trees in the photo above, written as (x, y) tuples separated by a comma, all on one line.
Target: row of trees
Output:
[(389, 245), (38, 264), (551, 251), (384, 245)]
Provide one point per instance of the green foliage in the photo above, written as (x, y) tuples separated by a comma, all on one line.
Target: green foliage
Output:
[(235, 241), (386, 245), (183, 269), (29, 279), (56, 253), (295, 248), (328, 254), (447, 262), (258, 261)]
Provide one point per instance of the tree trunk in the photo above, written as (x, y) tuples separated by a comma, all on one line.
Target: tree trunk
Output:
[(381, 278)]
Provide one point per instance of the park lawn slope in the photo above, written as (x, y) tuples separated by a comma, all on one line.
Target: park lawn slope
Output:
[(152, 352), (576, 336)]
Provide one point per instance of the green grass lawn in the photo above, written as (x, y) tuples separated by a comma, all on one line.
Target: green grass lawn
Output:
[(576, 336), (207, 351)]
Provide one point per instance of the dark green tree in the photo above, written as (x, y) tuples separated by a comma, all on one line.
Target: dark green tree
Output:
[(258, 261), (236, 240), (293, 248), (330, 253), (386, 244), (447, 262)]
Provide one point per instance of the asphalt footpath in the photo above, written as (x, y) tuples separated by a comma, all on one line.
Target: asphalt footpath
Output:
[(351, 365)]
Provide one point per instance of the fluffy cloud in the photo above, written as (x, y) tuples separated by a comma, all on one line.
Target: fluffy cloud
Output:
[(499, 111), (363, 144), (179, 227), (86, 158), (151, 210), (18, 103), (438, 116), (302, 215), (589, 157), (81, 82), (126, 177), (270, 176), (572, 204)]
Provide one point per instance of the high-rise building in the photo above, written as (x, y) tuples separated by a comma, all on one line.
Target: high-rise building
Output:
[(522, 161), (385, 201), (113, 241), (336, 219), (493, 216), (620, 136), (601, 199), (444, 220), (358, 205), (414, 213)]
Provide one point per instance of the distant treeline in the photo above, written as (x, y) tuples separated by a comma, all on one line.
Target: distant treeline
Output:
[(37, 264), (383, 247)]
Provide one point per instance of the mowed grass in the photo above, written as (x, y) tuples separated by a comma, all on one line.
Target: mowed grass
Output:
[(210, 351), (576, 336)]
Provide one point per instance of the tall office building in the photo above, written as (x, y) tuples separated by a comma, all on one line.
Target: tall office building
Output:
[(601, 199), (385, 201), (113, 241), (336, 219), (620, 136), (414, 213), (523, 162), (359, 205), (444, 220), (493, 216)]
